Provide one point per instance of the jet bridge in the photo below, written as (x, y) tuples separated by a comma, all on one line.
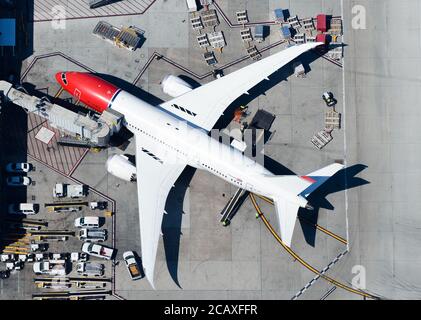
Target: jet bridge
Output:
[(80, 128)]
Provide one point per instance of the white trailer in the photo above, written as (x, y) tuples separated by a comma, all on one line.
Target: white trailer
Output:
[(191, 5)]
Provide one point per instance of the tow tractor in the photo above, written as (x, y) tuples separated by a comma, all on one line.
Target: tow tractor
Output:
[(329, 99)]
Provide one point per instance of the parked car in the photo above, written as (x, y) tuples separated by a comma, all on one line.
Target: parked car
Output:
[(92, 235), (87, 222), (19, 167), (329, 99), (18, 181), (98, 251), (90, 269), (4, 274), (41, 247), (23, 208), (132, 265), (8, 257)]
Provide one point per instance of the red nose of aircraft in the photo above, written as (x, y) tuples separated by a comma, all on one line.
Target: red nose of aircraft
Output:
[(88, 88)]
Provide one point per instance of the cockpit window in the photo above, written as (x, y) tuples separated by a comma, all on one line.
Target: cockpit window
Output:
[(64, 78)]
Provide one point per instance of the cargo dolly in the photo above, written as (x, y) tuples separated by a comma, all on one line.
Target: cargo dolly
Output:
[(29, 222)]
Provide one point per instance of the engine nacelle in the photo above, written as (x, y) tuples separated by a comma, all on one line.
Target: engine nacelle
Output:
[(175, 86), (120, 166)]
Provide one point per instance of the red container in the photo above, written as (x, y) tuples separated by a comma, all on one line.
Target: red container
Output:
[(322, 22), (322, 38)]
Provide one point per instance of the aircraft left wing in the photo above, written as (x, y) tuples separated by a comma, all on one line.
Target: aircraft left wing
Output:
[(155, 178), (203, 106)]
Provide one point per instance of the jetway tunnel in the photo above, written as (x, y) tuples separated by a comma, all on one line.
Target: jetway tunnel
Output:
[(78, 129)]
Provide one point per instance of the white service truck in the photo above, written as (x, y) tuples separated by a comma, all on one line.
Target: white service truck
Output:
[(92, 235), (90, 269), (98, 250), (51, 268), (62, 190)]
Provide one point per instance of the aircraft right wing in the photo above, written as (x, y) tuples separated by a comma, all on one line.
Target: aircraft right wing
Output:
[(203, 106)]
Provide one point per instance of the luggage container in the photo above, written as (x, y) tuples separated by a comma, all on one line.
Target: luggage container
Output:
[(322, 22), (286, 32), (260, 33), (280, 15)]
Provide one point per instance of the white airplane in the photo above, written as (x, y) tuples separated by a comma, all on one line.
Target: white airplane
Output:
[(175, 134)]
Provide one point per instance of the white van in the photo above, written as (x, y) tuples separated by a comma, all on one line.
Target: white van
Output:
[(23, 208), (87, 222)]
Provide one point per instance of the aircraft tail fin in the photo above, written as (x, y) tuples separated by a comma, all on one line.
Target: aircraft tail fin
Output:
[(318, 177), (303, 186)]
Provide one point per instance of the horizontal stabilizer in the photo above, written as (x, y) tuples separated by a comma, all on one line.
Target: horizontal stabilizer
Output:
[(287, 215)]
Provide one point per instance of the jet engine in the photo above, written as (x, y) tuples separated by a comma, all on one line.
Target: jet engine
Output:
[(120, 166), (175, 86)]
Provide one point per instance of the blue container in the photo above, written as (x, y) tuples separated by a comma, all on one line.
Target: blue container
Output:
[(279, 15), (286, 32)]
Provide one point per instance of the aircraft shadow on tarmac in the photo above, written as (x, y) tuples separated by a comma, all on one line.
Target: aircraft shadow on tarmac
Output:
[(14, 121)]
